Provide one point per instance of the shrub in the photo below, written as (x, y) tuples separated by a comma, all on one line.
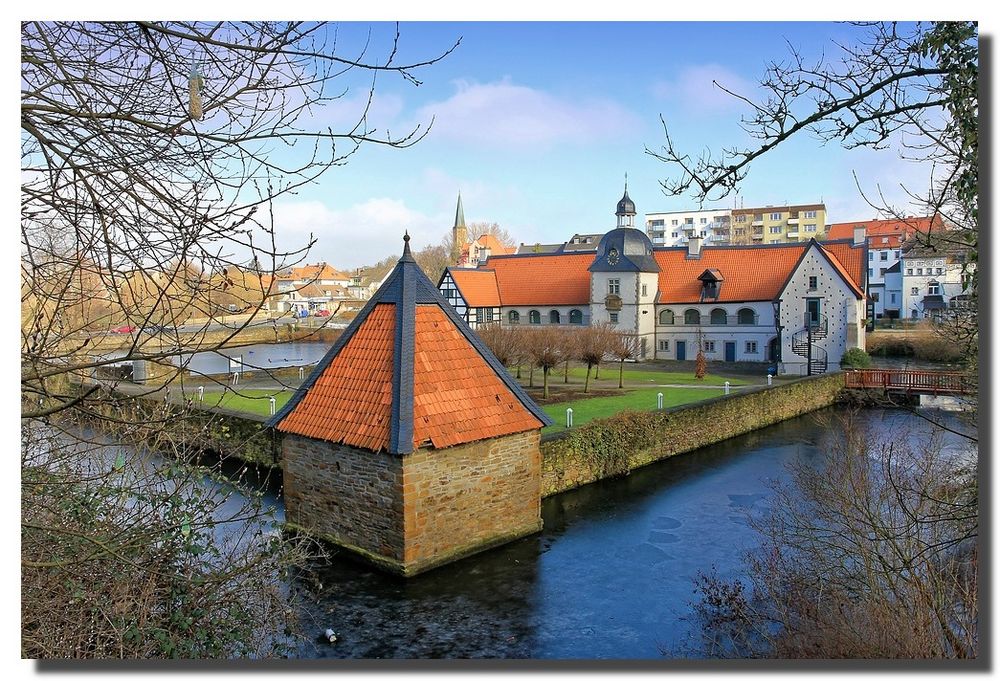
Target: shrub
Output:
[(855, 358)]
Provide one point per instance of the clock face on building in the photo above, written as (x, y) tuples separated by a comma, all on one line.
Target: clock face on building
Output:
[(613, 256)]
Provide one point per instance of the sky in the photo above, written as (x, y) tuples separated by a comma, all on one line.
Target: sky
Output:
[(537, 124)]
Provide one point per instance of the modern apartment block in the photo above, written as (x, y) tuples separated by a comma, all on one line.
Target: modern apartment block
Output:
[(676, 227), (778, 224)]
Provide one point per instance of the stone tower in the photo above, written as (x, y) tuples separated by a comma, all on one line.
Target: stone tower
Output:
[(459, 233), (410, 444)]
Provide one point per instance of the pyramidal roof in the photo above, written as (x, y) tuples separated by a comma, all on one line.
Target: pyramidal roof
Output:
[(408, 372)]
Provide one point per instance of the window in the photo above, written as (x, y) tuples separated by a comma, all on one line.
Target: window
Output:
[(741, 218), (703, 234), (709, 346), (666, 317), (883, 255), (688, 221), (614, 317), (673, 222), (811, 227), (940, 270), (664, 346), (718, 317), (643, 291), (614, 287), (703, 221), (514, 317), (895, 255), (554, 317), (745, 316), (486, 315), (775, 217), (776, 230), (751, 347), (810, 214), (673, 235), (920, 271), (656, 223), (909, 271), (885, 239), (892, 297), (915, 291), (534, 317), (871, 255), (881, 271), (813, 283), (692, 317), (575, 317), (934, 288), (740, 231), (871, 273), (874, 296)]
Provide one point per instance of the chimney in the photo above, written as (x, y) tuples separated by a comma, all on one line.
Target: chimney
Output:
[(694, 247), (859, 235)]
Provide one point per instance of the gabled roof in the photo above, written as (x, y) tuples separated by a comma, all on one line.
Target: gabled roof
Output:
[(751, 273), (406, 373)]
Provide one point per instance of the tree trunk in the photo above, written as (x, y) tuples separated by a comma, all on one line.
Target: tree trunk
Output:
[(566, 372), (531, 376), (519, 372), (597, 372), (621, 373), (545, 382), (586, 382)]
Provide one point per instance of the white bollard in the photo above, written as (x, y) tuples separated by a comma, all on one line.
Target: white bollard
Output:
[(569, 417), (272, 406), (201, 393), (769, 379), (659, 400), (727, 387), (302, 372)]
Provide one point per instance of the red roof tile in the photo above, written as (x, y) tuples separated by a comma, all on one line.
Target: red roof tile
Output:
[(895, 230), (351, 401), (457, 397), (751, 273), (851, 261), (558, 279), (478, 287)]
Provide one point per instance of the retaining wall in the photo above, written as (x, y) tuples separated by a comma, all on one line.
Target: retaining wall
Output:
[(609, 447)]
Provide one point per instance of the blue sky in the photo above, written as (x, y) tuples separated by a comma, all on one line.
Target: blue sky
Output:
[(537, 123)]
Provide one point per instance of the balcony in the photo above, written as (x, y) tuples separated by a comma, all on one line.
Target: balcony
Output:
[(793, 220)]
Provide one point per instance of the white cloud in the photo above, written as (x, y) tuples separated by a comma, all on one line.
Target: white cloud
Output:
[(359, 235), (504, 114), (693, 88)]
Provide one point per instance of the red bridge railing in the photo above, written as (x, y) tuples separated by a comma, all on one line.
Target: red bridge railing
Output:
[(908, 380)]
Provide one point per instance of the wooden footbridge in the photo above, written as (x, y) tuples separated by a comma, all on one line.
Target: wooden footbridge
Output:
[(909, 381)]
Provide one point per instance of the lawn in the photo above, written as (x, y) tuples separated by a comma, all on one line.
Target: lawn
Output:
[(250, 401), (637, 377), (643, 399)]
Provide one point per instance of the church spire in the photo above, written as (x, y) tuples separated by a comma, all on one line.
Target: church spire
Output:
[(459, 233)]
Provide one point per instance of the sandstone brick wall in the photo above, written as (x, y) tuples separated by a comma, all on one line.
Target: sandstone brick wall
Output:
[(344, 495), (466, 498)]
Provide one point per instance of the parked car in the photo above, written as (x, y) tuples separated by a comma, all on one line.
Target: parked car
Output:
[(302, 313), (128, 328), (322, 313)]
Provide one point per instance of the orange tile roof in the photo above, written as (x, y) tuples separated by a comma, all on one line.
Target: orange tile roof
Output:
[(457, 397), (351, 401), (895, 230), (557, 279), (853, 264), (751, 273), (491, 242), (478, 287), (317, 271)]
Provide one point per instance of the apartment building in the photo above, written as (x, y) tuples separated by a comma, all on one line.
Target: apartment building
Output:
[(676, 227), (778, 224)]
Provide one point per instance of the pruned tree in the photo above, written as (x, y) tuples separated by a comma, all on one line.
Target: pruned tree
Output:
[(595, 343), (151, 156), (571, 349), (547, 347), (478, 229), (503, 341), (625, 346)]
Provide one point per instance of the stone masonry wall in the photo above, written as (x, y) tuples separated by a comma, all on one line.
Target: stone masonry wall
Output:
[(467, 498), (608, 447), (347, 496)]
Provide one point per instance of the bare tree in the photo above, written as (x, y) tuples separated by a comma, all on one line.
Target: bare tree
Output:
[(596, 342), (478, 229), (152, 154), (625, 346), (503, 341), (547, 347)]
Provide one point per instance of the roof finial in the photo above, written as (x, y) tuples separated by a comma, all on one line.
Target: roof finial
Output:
[(626, 182), (406, 243)]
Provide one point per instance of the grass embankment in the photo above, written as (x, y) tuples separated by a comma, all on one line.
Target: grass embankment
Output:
[(925, 344), (249, 401), (642, 399)]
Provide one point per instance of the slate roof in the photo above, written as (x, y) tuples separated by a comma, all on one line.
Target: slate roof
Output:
[(406, 373)]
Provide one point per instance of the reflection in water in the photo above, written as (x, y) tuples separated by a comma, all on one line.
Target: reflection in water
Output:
[(254, 357)]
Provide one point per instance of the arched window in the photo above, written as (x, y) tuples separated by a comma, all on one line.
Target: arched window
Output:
[(514, 317), (534, 317), (692, 317), (745, 316), (666, 317), (554, 317), (575, 317), (718, 316)]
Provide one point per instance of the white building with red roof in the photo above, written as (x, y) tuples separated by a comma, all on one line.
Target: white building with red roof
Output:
[(798, 306)]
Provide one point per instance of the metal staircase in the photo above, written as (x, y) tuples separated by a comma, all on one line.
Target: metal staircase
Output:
[(803, 343)]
